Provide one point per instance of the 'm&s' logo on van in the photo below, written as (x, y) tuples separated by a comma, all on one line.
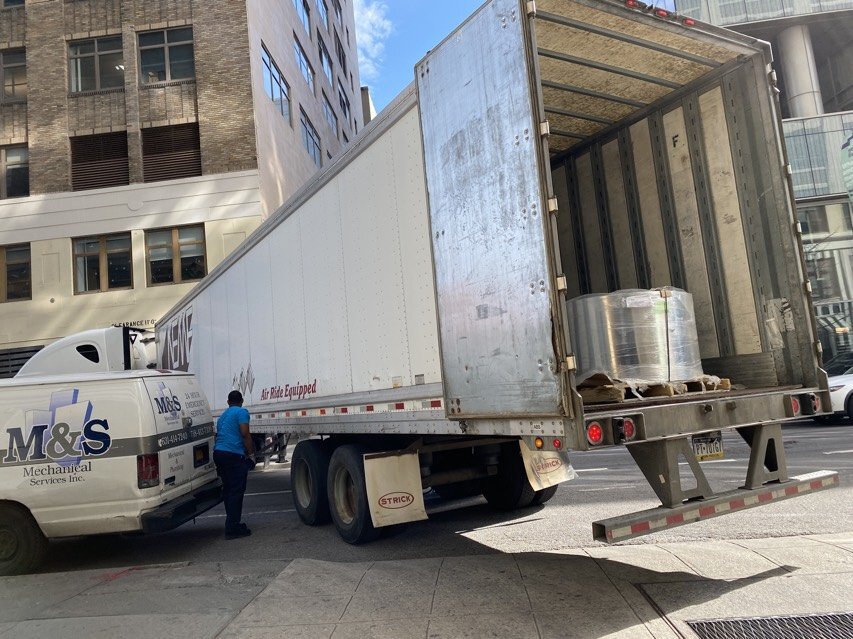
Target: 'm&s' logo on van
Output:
[(65, 433), (167, 403)]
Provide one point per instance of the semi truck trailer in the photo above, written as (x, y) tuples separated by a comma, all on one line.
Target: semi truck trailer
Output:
[(404, 313)]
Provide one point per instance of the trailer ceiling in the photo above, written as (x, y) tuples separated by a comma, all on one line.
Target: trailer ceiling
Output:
[(598, 67)]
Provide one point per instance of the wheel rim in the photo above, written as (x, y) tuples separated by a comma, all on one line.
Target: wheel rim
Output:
[(344, 492), (302, 484), (8, 544)]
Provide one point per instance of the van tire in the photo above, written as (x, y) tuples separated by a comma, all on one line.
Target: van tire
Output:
[(347, 492), (510, 488), (544, 495), (309, 468), (22, 543)]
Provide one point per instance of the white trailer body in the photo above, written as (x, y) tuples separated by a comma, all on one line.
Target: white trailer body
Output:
[(409, 301)]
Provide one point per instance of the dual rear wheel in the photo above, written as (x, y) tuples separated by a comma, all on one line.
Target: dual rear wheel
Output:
[(329, 483)]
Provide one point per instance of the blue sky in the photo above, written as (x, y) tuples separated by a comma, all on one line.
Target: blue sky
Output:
[(393, 35)]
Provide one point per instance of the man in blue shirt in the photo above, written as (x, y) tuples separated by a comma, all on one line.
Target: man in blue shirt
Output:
[(234, 456)]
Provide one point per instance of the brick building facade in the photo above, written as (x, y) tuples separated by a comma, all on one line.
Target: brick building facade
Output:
[(125, 123)]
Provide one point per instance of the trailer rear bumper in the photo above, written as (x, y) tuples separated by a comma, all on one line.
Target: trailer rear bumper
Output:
[(644, 522)]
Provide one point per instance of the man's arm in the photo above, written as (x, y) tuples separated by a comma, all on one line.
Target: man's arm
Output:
[(247, 440)]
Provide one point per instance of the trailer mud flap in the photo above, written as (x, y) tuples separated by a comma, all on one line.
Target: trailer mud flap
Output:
[(394, 489), (546, 468)]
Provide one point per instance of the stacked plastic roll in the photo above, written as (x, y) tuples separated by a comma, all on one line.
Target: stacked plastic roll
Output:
[(639, 337)]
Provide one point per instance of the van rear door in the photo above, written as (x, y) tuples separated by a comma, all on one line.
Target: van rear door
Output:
[(185, 428)]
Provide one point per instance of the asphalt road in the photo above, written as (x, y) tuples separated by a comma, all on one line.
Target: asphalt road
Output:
[(609, 484)]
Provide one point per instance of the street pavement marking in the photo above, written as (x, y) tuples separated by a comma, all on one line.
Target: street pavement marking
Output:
[(838, 452), (272, 492)]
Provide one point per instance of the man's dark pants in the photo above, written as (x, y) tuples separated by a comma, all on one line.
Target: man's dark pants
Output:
[(233, 471)]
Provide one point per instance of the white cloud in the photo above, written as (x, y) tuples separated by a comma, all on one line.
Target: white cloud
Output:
[(372, 29)]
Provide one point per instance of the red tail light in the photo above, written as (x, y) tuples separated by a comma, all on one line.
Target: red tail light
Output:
[(816, 403), (795, 405), (629, 428), (558, 444), (148, 470), (594, 433)]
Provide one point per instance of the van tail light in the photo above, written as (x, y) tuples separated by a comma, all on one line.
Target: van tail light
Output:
[(148, 470)]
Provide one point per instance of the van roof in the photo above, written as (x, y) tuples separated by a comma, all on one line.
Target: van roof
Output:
[(87, 377)]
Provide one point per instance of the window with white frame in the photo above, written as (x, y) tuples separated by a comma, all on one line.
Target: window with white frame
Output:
[(311, 139), (304, 13), (13, 66), (304, 66), (329, 112), (275, 85), (323, 10), (96, 64), (102, 263), (325, 60), (166, 55), (15, 273), (175, 255)]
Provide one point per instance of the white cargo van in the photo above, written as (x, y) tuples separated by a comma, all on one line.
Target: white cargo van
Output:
[(100, 452)]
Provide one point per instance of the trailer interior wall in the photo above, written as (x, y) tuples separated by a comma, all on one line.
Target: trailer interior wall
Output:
[(668, 172), (333, 292)]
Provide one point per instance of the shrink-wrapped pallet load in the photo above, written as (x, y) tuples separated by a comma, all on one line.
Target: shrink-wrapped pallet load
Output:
[(638, 337)]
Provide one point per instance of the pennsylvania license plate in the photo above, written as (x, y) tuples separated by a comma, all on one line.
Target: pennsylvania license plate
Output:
[(708, 445)]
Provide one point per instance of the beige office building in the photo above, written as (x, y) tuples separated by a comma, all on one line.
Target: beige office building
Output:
[(142, 141)]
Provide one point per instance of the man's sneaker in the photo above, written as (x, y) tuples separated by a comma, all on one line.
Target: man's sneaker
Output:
[(241, 531)]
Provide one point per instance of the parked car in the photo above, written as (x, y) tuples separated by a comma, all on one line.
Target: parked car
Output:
[(841, 394)]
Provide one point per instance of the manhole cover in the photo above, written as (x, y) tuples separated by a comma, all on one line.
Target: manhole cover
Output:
[(836, 626)]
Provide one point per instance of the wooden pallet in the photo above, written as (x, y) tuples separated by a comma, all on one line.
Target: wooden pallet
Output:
[(610, 392)]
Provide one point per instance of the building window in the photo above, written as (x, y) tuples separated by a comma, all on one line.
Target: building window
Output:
[(824, 277), (304, 66), (99, 161), (311, 139), (336, 4), (15, 273), (343, 100), (102, 263), (171, 152), (813, 220), (16, 171), (342, 56), (325, 60), (175, 255), (304, 13), (13, 65), (275, 86), (329, 112), (324, 12), (96, 64), (166, 55)]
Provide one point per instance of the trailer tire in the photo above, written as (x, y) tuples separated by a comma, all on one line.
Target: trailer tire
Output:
[(509, 489), (347, 494), (309, 470), (544, 495), (22, 543)]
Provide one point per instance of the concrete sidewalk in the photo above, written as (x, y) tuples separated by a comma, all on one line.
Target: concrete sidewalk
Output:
[(621, 591)]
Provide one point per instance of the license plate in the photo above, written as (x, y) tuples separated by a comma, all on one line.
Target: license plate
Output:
[(708, 445)]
